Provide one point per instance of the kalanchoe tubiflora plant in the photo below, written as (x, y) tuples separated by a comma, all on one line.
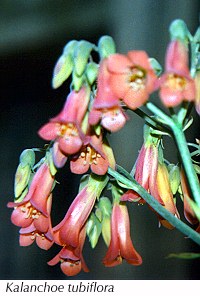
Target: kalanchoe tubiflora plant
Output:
[(100, 94)]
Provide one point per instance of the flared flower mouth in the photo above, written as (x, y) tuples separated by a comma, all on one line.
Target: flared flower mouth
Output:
[(131, 77), (137, 78)]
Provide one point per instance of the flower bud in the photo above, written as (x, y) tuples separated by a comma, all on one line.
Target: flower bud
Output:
[(81, 56), (92, 72), (174, 177), (77, 81), (51, 165), (105, 206), (62, 70), (106, 209), (106, 230), (27, 157), (179, 31), (156, 66), (106, 46), (70, 48), (93, 230), (22, 177)]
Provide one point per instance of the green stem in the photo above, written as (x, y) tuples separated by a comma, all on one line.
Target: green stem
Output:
[(151, 121), (157, 111), (132, 184), (184, 152), (187, 162)]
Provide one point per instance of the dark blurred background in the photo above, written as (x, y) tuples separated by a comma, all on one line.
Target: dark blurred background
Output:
[(32, 36)]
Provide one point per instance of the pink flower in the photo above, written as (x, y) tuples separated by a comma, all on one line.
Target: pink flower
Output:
[(188, 211), (71, 260), (132, 78), (145, 174), (121, 246), (197, 97), (67, 232), (106, 106), (166, 195), (38, 231), (176, 85), (153, 176), (35, 206), (65, 128), (95, 153)]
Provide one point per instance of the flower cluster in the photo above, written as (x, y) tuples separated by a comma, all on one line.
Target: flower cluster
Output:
[(97, 104)]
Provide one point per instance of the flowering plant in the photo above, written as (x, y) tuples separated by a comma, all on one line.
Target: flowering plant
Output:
[(100, 94)]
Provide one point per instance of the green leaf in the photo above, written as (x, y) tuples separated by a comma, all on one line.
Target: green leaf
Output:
[(184, 255)]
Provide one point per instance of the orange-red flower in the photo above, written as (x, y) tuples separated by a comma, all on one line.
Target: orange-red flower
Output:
[(68, 230), (34, 207), (71, 260), (132, 78), (197, 97), (121, 246), (41, 233), (188, 211), (164, 190), (176, 84), (95, 154), (106, 106), (153, 176), (65, 128), (33, 213), (145, 173)]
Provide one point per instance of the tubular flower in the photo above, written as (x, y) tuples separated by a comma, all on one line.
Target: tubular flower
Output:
[(145, 174), (65, 128), (67, 232), (35, 206), (197, 97), (132, 78), (188, 211), (95, 153), (106, 106), (176, 85), (41, 233), (71, 260), (165, 193), (121, 246)]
